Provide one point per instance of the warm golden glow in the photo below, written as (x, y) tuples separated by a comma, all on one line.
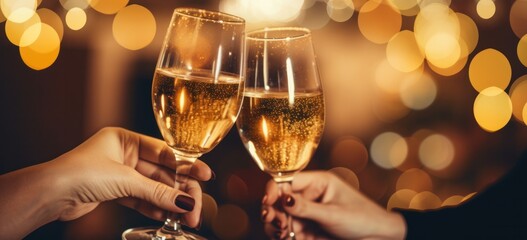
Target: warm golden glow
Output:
[(518, 18), (265, 129), (14, 31), (231, 222), (492, 109), (522, 50), (418, 91), (425, 200), (69, 4), (458, 65), (518, 94), (182, 101), (134, 27), (18, 11), (469, 34), (525, 114), (379, 22), (349, 152), (406, 7), (107, 7), (436, 19), (44, 50), (52, 19), (388, 150), (400, 199), (261, 11), (486, 8), (347, 176), (442, 50), (489, 68), (403, 53), (340, 10), (436, 152), (414, 179), (75, 18), (452, 201)]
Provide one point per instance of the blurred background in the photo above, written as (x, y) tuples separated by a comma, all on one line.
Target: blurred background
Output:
[(426, 99)]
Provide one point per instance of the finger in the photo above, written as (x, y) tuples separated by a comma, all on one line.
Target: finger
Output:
[(156, 172), (144, 208), (268, 213), (158, 193), (201, 171), (311, 184), (271, 193), (192, 219), (303, 208)]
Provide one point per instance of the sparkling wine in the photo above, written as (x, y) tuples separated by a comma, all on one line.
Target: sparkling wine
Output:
[(281, 131), (195, 111)]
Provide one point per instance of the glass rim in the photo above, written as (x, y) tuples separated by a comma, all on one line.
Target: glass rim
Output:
[(302, 33), (222, 17)]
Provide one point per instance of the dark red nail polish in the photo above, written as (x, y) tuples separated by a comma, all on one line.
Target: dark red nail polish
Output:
[(213, 175), (185, 202), (288, 200)]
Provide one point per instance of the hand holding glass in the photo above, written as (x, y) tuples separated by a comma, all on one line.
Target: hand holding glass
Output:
[(196, 94), (282, 116)]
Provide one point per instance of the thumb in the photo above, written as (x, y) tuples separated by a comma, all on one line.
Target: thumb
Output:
[(161, 195), (303, 208)]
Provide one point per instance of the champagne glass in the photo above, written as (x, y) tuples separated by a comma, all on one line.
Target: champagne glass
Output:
[(196, 94), (282, 116)]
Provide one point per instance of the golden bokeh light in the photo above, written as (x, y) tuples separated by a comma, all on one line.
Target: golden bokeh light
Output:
[(108, 7), (518, 18), (469, 34), (231, 222), (457, 66), (436, 19), (209, 210), (349, 152), (237, 189), (388, 150), (379, 22), (414, 179), (318, 17), (14, 31), (76, 18), (518, 95), (400, 199), (263, 11), (388, 78), (486, 8), (452, 200), (406, 7), (522, 50), (425, 200), (389, 107), (347, 176), (18, 11), (525, 114), (492, 109), (52, 19), (489, 68), (436, 152), (403, 53), (340, 10), (43, 52), (134, 27), (442, 50), (418, 91), (69, 4)]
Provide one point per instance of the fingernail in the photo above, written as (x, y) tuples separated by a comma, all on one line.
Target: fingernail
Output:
[(213, 175), (288, 200), (264, 214), (185, 202), (264, 199)]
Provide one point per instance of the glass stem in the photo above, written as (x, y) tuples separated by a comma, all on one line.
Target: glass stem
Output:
[(173, 226), (284, 187)]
